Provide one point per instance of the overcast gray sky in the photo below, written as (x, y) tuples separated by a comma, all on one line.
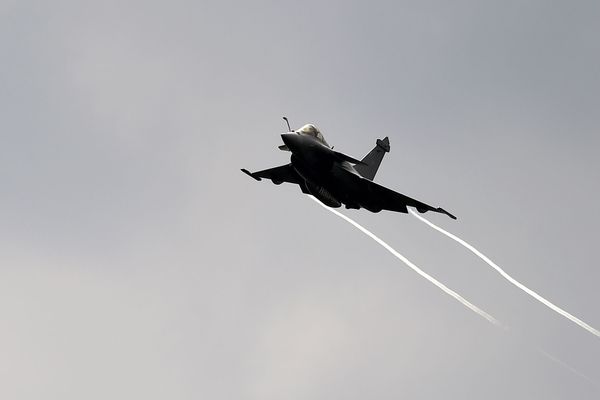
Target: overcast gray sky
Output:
[(137, 261)]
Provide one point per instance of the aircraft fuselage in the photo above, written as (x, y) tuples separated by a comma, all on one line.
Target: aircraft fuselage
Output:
[(336, 178), (331, 180)]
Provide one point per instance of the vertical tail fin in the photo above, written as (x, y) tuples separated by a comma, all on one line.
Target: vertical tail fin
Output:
[(373, 159)]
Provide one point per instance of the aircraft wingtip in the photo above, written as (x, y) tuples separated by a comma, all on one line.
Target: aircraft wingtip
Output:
[(446, 212), (250, 174)]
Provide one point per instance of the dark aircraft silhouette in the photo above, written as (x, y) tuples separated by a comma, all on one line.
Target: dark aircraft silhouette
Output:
[(332, 178)]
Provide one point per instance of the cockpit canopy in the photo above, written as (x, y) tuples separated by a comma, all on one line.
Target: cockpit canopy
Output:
[(311, 130)]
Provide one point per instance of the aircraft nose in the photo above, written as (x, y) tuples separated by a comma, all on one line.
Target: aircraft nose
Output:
[(291, 140)]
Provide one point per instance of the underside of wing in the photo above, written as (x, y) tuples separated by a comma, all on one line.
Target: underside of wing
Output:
[(284, 173), (382, 198)]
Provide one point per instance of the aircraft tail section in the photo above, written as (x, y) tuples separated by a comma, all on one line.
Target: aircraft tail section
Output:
[(372, 160)]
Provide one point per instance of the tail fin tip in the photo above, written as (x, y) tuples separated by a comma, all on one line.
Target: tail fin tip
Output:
[(384, 144), (372, 160)]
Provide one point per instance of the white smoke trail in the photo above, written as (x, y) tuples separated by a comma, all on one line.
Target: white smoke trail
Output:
[(510, 278), (566, 366), (412, 266), (450, 291)]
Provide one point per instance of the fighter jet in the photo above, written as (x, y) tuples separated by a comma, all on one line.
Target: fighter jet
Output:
[(335, 178)]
